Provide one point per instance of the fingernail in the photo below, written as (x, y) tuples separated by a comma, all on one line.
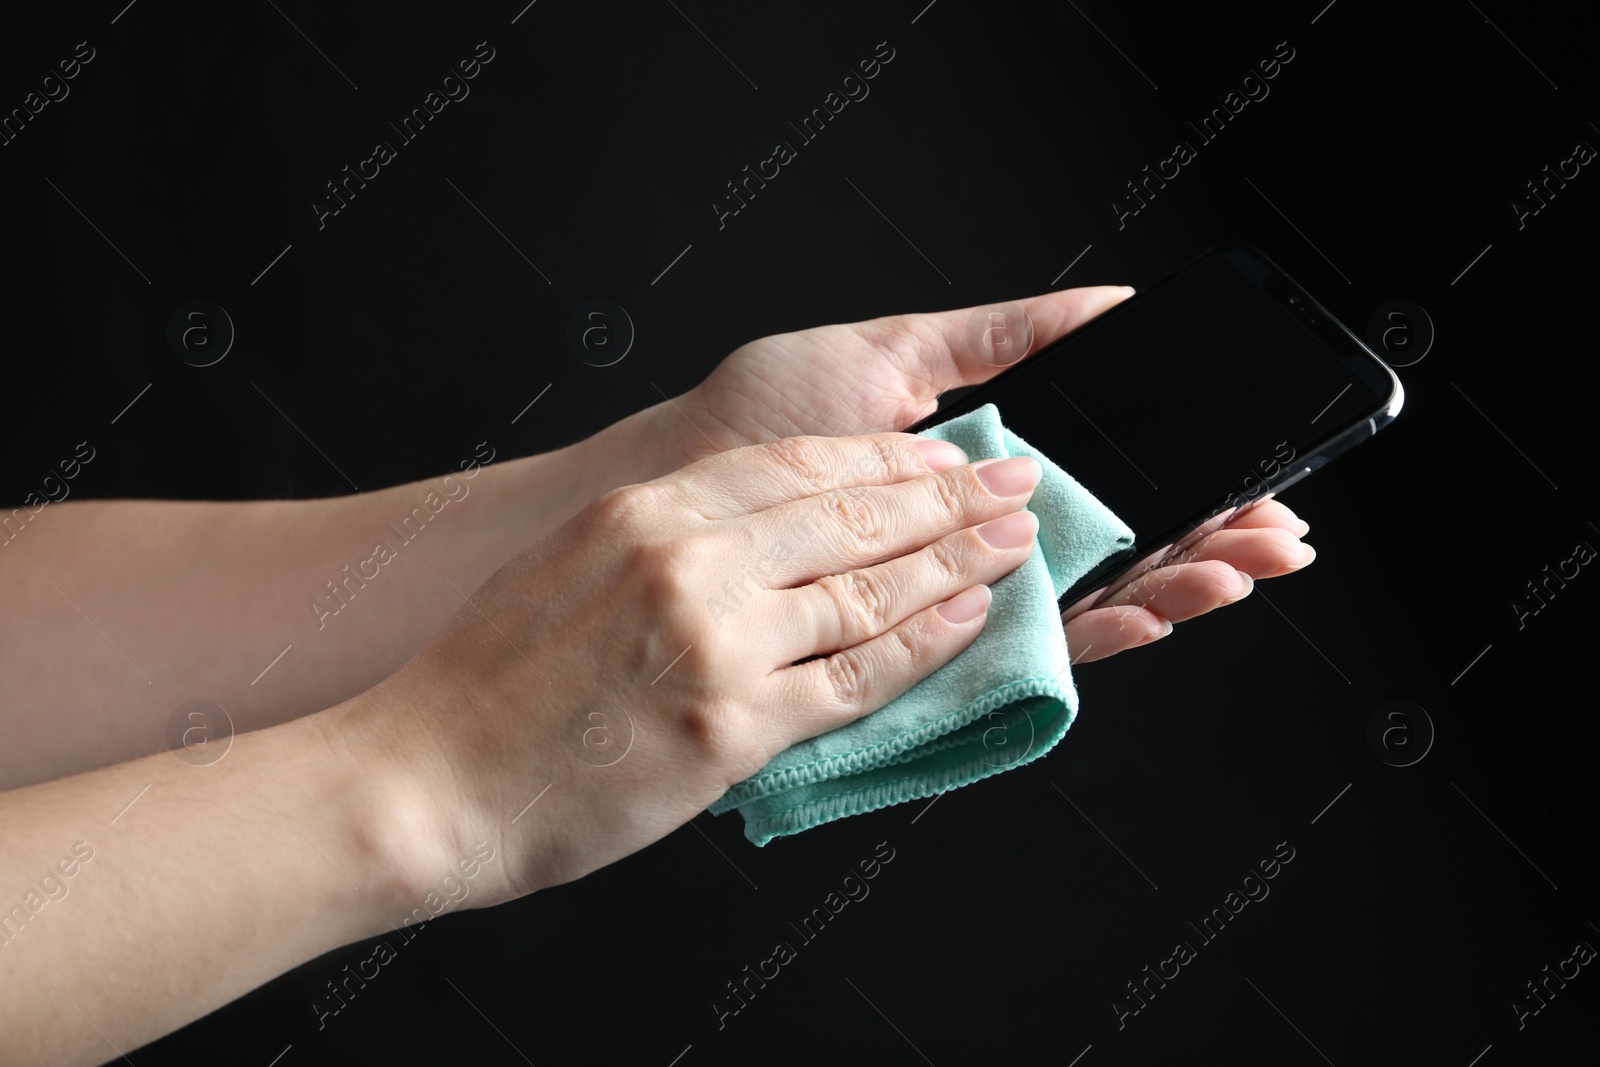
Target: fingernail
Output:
[(1307, 554), (940, 455), (1131, 290), (1008, 477), (1247, 582), (1156, 635), (1010, 531), (966, 605), (1297, 520)]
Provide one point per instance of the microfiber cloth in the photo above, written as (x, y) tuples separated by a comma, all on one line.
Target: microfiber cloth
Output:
[(1005, 700)]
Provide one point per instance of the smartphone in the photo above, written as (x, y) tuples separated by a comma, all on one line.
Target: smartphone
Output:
[(1191, 402)]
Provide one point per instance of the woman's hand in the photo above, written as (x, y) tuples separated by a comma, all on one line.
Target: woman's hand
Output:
[(1220, 568), (886, 374), (611, 681)]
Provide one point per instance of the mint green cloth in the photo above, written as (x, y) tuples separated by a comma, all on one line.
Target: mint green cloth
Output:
[(1005, 700)]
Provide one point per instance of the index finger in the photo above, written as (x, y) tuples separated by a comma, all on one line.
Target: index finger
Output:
[(966, 346)]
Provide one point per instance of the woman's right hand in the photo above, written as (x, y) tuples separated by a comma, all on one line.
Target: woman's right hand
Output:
[(674, 636)]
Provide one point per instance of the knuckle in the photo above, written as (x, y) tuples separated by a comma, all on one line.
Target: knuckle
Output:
[(887, 459), (709, 726), (724, 736), (847, 676), (629, 507), (803, 459), (700, 659), (861, 601), (858, 517), (875, 460), (950, 558), (909, 649), (669, 571), (686, 647), (952, 496)]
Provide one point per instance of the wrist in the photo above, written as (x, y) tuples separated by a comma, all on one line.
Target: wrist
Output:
[(391, 802), (443, 821), (528, 498), (646, 445)]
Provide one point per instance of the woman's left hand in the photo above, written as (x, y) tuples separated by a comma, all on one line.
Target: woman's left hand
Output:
[(886, 374)]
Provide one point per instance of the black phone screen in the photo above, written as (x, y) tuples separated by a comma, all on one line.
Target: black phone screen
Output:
[(1190, 398)]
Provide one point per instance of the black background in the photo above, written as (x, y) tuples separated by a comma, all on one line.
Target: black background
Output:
[(408, 329)]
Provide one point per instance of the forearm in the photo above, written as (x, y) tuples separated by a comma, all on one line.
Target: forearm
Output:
[(191, 885), (122, 611)]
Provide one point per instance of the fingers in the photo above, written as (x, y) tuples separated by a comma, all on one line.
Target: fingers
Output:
[(1184, 591), (1261, 553), (946, 349), (1270, 514), (839, 530), (1264, 547), (1106, 631), (823, 694), (744, 480), (840, 610), (1221, 568)]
